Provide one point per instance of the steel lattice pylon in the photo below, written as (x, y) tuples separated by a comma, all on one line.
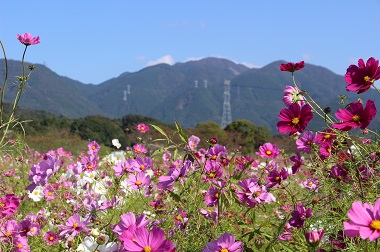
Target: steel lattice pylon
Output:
[(226, 117)]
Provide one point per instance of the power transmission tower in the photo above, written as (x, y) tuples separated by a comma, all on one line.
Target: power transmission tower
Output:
[(226, 117)]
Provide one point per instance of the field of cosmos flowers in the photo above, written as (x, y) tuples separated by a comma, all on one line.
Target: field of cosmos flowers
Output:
[(323, 196)]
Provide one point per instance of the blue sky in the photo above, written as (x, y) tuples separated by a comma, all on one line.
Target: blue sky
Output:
[(93, 41)]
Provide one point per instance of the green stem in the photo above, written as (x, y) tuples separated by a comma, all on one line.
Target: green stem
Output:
[(4, 84), (18, 96)]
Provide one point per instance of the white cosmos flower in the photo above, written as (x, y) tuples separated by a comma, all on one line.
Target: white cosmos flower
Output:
[(116, 143), (99, 188), (89, 244), (37, 193)]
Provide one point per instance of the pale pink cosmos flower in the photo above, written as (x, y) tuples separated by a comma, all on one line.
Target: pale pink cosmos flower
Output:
[(193, 142), (27, 39), (225, 242), (139, 180), (292, 95), (364, 221)]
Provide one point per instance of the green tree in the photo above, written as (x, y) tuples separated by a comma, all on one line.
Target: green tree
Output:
[(99, 128), (245, 134)]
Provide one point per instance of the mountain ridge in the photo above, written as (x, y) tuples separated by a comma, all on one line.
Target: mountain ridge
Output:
[(189, 92)]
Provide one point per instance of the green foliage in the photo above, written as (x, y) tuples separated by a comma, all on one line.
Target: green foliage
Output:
[(99, 128), (245, 134)]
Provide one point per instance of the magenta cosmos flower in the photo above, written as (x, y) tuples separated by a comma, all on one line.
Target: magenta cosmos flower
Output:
[(294, 118), (361, 77), (225, 243), (355, 116), (143, 128), (292, 67), (143, 241), (27, 39), (365, 221)]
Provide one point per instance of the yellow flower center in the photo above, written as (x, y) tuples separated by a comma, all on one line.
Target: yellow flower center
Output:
[(277, 178), (212, 174), (89, 167), (35, 192), (327, 136), (32, 229), (268, 152), (8, 233), (309, 184), (19, 246), (375, 225), (356, 118), (2, 204), (216, 195), (366, 78), (209, 211), (178, 217), (214, 157), (295, 120), (93, 147), (308, 143), (50, 193), (224, 250), (147, 249), (142, 167), (51, 238), (138, 183), (75, 225), (142, 128), (257, 194)]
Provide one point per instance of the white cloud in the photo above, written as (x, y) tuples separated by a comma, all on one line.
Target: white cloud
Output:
[(167, 59), (306, 56), (249, 64)]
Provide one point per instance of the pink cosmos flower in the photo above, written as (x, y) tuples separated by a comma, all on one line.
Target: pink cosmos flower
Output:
[(144, 241), (143, 128), (225, 242), (251, 193), (364, 221), (193, 142), (27, 39), (355, 116), (74, 225), (292, 67), (93, 147), (268, 150), (294, 119), (305, 142), (139, 149), (361, 77), (139, 180), (314, 237), (128, 220), (292, 95), (51, 238)]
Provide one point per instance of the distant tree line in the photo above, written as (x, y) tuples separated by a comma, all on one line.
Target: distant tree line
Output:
[(240, 134)]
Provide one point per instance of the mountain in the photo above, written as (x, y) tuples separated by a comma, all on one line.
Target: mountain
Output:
[(190, 92)]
